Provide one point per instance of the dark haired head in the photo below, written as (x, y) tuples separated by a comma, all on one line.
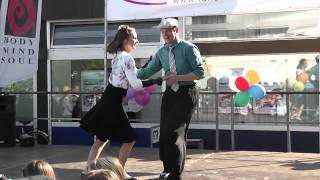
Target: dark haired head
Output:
[(123, 33), (301, 63), (317, 58)]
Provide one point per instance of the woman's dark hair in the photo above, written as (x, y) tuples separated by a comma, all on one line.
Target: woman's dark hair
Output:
[(123, 33), (301, 63)]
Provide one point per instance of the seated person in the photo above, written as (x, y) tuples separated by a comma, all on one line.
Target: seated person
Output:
[(38, 167), (110, 163), (100, 174)]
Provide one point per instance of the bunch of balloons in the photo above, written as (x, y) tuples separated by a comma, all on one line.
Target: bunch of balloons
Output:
[(141, 96), (248, 87), (302, 82)]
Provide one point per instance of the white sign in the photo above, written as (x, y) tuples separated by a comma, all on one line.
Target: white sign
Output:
[(19, 40), (150, 9), (154, 134)]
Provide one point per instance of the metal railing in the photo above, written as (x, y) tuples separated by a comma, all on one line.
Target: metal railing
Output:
[(210, 111)]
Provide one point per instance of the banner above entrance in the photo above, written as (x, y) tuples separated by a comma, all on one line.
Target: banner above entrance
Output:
[(151, 9)]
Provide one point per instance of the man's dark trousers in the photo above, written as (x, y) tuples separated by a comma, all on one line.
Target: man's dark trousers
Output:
[(176, 112)]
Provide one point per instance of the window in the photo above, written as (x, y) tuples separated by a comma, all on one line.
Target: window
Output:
[(80, 34), (147, 31), (74, 76), (89, 34), (297, 72), (24, 107), (252, 26)]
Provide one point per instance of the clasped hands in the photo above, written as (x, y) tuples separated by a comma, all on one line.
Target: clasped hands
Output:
[(170, 79)]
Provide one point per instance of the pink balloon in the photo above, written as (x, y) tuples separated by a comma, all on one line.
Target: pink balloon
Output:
[(142, 97), (151, 88), (242, 83), (130, 93)]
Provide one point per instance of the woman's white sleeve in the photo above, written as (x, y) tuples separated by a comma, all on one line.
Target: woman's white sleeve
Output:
[(130, 71)]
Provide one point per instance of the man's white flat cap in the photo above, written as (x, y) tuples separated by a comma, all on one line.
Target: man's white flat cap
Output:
[(168, 23)]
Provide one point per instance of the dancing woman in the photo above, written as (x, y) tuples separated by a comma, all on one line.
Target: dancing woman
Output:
[(107, 119)]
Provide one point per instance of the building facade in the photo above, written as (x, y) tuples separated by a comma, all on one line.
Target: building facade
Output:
[(72, 59)]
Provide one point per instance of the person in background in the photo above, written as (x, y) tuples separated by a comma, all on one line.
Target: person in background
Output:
[(314, 74), (302, 75), (38, 167), (107, 119), (68, 102), (314, 98), (76, 111), (301, 71), (100, 174), (110, 163), (57, 107), (182, 64), (297, 107)]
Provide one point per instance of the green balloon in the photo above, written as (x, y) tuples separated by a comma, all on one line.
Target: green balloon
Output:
[(242, 98)]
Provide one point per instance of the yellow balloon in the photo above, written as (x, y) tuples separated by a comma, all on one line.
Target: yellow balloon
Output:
[(298, 86), (253, 77)]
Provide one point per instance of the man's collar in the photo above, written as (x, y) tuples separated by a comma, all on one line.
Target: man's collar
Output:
[(178, 40)]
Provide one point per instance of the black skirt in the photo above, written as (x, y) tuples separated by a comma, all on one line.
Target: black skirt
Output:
[(107, 119)]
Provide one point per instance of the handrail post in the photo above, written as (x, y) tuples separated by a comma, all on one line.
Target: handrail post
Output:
[(288, 123), (217, 121), (49, 118), (232, 124)]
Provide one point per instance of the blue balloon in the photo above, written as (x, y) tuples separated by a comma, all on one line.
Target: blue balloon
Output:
[(257, 91), (308, 85)]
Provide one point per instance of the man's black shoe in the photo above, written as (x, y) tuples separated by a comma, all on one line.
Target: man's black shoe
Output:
[(163, 176)]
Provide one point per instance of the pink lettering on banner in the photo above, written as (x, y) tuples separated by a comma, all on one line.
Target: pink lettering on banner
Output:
[(147, 2)]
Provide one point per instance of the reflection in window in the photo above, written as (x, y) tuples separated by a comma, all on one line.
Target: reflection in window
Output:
[(278, 73), (147, 31), (93, 34), (247, 26), (83, 34), (75, 76), (24, 107)]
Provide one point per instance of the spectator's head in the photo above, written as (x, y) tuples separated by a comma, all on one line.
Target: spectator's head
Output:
[(302, 64), (169, 30), (110, 163), (76, 88), (66, 88), (38, 167), (317, 58), (101, 174)]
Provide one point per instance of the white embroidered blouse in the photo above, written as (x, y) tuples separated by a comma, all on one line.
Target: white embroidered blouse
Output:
[(123, 72)]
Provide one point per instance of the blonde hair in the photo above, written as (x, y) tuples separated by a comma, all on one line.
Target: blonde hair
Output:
[(110, 163), (38, 167), (101, 174)]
